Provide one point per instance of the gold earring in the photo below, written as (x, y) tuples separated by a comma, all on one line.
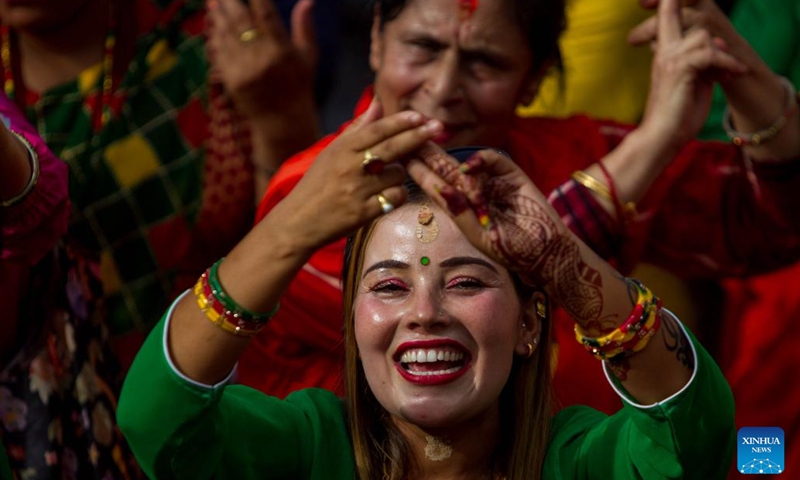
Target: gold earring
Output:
[(541, 309), (529, 347)]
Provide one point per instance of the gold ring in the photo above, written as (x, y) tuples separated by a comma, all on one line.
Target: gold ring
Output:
[(248, 35), (386, 205), (372, 164)]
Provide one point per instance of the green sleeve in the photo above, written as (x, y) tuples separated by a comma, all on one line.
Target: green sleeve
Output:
[(179, 429), (689, 435)]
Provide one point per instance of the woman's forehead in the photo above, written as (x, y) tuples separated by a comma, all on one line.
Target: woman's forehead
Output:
[(483, 18), (413, 231)]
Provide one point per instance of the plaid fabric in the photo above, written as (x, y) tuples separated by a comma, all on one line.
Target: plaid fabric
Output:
[(580, 212), (137, 185)]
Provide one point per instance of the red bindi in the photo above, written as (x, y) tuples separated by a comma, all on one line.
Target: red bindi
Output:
[(467, 7)]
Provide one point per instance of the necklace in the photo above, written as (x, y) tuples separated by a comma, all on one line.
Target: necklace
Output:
[(101, 111)]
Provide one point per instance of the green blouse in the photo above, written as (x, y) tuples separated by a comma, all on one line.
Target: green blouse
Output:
[(180, 429)]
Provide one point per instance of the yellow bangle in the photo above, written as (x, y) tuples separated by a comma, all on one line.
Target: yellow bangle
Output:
[(627, 211), (593, 184), (228, 321)]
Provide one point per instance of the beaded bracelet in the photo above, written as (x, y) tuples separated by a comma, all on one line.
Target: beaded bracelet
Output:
[(222, 311), (616, 351), (33, 158), (229, 304), (632, 335), (762, 136)]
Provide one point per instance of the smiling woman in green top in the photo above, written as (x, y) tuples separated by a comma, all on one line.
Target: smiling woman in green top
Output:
[(447, 335)]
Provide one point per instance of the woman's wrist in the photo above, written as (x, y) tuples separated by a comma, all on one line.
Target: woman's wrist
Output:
[(756, 100), (763, 116)]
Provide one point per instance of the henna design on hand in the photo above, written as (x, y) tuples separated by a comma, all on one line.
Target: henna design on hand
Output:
[(530, 238), (456, 201), (463, 188), (676, 341)]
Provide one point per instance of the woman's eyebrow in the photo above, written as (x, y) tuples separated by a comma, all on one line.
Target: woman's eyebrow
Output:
[(391, 264), (459, 261)]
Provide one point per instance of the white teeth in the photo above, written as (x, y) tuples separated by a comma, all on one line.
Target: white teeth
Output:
[(430, 356), (437, 372)]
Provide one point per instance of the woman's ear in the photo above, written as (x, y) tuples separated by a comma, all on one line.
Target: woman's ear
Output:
[(376, 42), (533, 314)]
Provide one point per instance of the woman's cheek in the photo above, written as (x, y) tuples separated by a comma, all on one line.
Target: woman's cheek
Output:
[(375, 321)]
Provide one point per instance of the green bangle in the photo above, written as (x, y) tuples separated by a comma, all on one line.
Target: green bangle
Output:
[(230, 304)]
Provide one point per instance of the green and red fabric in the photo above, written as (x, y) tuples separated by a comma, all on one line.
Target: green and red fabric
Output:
[(159, 191), (137, 184), (59, 381)]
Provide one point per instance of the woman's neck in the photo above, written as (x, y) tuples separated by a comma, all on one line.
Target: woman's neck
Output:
[(50, 57), (465, 452)]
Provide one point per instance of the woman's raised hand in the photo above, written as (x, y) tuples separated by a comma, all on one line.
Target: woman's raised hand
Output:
[(497, 207), (262, 67), (356, 178), (686, 63), (696, 15)]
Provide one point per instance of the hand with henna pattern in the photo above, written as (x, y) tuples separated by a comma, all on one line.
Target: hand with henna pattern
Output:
[(496, 205), (501, 211)]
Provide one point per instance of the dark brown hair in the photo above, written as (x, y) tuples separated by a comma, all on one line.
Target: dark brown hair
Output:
[(542, 20)]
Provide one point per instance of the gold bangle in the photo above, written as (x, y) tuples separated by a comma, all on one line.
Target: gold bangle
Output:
[(33, 158), (626, 211), (593, 184)]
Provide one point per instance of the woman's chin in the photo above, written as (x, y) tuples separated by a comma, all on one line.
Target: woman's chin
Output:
[(430, 415)]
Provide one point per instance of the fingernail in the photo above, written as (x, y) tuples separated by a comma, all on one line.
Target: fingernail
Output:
[(474, 162), (486, 221), (483, 215), (432, 126), (416, 118)]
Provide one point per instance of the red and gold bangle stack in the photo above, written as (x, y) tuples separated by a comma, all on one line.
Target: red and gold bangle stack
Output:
[(625, 212), (630, 337), (222, 311)]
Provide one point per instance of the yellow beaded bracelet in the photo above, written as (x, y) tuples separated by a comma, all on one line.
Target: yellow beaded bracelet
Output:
[(632, 335)]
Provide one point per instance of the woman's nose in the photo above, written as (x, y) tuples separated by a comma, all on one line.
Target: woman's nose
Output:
[(444, 82), (426, 311)]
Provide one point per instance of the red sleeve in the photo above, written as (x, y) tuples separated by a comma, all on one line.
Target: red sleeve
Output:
[(711, 215), (707, 215), (288, 175)]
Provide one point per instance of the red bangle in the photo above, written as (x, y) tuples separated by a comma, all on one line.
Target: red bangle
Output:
[(220, 316), (624, 212)]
